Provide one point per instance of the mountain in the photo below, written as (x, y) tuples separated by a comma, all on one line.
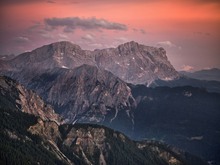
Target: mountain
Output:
[(185, 117), (15, 96), (18, 146), (131, 62), (60, 54), (85, 94), (135, 63), (211, 86), (26, 139), (206, 74), (19, 109), (93, 144), (33, 139), (81, 90)]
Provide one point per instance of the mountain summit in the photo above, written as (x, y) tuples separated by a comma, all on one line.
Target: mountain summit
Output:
[(132, 62), (135, 63)]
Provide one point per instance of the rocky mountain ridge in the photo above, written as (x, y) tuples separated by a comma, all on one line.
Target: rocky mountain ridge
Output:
[(135, 63), (84, 94), (132, 62), (13, 95), (35, 141), (95, 95), (151, 113)]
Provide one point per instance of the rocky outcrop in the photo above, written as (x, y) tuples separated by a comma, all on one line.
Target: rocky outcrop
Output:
[(172, 155), (60, 54), (135, 63), (93, 144), (87, 94), (14, 95)]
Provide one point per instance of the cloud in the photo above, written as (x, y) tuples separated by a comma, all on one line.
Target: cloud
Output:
[(88, 37), (51, 1), (166, 44), (139, 30), (118, 41), (38, 27), (45, 34), (202, 33), (122, 39), (21, 39), (142, 31), (63, 36), (187, 68), (71, 23), (97, 45)]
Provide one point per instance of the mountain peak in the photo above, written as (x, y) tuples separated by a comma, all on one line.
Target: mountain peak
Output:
[(57, 49), (132, 45), (132, 62), (64, 44)]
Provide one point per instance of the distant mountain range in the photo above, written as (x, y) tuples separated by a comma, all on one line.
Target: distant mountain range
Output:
[(207, 74), (186, 117), (210, 86), (132, 88), (131, 62)]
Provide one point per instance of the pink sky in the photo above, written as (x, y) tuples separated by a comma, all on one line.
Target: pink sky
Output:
[(187, 29)]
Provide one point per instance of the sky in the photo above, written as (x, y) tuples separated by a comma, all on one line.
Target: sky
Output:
[(189, 30)]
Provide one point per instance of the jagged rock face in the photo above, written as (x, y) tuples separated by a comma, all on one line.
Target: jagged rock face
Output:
[(17, 96), (156, 147), (131, 62), (172, 155), (93, 144), (86, 94), (135, 63), (60, 54)]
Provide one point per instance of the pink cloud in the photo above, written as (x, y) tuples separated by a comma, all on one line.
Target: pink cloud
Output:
[(187, 68)]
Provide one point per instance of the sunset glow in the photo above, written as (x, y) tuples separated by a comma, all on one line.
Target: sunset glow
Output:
[(188, 30)]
